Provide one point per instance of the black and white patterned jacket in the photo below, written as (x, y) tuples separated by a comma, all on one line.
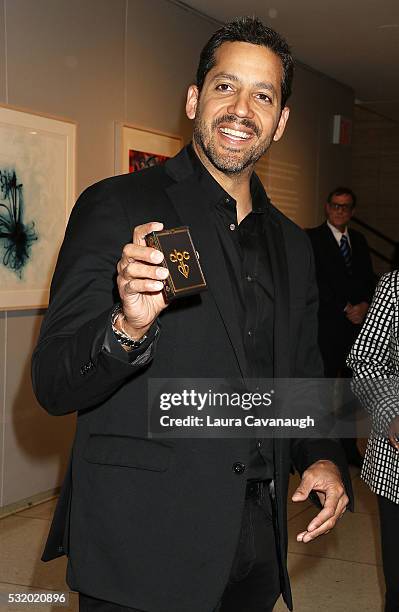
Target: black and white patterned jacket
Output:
[(374, 359)]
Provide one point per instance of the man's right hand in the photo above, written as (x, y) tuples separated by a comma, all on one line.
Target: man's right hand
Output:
[(393, 433), (140, 283), (356, 313)]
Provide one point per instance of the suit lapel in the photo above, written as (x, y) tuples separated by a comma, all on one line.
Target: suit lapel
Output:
[(191, 205), (279, 268), (281, 346)]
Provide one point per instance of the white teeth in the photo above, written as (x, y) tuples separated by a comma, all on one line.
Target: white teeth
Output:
[(235, 133)]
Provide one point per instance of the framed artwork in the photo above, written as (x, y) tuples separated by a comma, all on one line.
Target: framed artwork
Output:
[(37, 193), (136, 148)]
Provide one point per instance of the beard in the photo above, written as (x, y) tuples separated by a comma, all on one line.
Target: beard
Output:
[(229, 160)]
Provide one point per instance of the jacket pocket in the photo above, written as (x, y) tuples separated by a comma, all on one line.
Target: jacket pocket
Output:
[(126, 451)]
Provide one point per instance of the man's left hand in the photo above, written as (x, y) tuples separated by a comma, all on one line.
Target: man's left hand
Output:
[(324, 478)]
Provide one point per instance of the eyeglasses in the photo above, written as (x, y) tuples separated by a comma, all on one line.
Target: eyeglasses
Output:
[(343, 207)]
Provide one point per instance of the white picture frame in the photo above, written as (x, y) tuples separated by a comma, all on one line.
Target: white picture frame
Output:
[(37, 193), (153, 146)]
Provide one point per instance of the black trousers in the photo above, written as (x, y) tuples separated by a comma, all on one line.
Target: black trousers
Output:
[(254, 583), (389, 521)]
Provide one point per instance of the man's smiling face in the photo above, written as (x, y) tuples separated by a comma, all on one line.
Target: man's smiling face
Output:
[(237, 113)]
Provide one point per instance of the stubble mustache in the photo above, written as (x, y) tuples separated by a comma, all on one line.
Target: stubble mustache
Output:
[(237, 122)]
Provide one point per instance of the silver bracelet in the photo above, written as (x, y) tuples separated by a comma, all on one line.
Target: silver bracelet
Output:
[(121, 336)]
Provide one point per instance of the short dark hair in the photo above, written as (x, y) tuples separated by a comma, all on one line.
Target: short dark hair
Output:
[(342, 191), (249, 30)]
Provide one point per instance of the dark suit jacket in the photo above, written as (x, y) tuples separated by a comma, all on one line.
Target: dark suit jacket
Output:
[(153, 524), (336, 288)]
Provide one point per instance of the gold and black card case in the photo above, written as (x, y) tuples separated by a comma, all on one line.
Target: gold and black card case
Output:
[(181, 259)]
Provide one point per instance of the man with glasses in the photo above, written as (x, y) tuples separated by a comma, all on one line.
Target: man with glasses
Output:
[(346, 283)]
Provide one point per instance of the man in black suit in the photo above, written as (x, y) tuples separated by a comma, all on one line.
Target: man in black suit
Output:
[(346, 284), (178, 525)]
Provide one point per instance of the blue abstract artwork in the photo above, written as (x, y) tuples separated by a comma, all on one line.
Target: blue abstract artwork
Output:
[(37, 184), (17, 235)]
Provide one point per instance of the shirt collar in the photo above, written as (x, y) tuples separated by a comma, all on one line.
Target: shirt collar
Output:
[(216, 192), (338, 234), (211, 187)]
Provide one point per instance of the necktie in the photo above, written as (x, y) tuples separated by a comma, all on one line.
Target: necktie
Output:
[(346, 252)]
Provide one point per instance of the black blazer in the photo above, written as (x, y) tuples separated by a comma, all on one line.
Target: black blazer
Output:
[(337, 287), (148, 523)]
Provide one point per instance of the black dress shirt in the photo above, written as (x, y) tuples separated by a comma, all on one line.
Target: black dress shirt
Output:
[(247, 260)]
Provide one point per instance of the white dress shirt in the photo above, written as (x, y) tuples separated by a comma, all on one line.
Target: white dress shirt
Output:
[(338, 234)]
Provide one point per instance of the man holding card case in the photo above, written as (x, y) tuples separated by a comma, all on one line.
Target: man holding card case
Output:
[(177, 524)]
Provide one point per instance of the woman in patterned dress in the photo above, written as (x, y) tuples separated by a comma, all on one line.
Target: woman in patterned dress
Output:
[(374, 359)]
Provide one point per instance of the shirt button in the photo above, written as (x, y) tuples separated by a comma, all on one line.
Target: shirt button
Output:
[(232, 227), (259, 444), (238, 467), (249, 333), (227, 200), (249, 278)]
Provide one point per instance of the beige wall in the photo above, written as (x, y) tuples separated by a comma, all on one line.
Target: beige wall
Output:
[(101, 61), (376, 178), (305, 166)]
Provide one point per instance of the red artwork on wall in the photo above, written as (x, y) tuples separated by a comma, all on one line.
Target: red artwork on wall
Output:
[(139, 160)]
